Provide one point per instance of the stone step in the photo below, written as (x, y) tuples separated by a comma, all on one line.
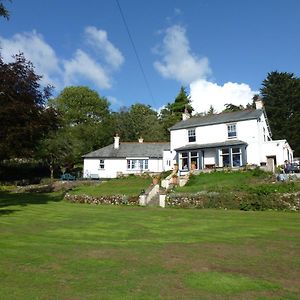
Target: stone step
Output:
[(154, 201)]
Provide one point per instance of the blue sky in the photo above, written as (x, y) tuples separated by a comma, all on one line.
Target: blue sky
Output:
[(220, 50)]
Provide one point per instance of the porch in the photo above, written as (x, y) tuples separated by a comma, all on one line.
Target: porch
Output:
[(230, 154)]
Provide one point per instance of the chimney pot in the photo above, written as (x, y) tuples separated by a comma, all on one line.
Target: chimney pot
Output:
[(186, 115), (116, 142), (259, 104)]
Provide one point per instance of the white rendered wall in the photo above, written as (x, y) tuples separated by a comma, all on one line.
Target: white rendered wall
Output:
[(250, 131), (247, 131), (169, 159), (209, 156), (278, 148), (113, 167)]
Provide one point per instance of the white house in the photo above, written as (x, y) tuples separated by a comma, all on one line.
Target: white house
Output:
[(127, 158), (231, 139)]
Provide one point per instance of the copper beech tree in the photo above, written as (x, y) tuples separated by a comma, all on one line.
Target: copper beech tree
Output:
[(25, 119)]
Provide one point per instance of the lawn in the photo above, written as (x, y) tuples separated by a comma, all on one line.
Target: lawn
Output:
[(131, 185), (246, 181), (51, 249)]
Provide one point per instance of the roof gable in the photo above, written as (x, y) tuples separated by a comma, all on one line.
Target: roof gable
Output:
[(226, 117)]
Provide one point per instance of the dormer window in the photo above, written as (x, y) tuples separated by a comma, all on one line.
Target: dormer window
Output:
[(231, 130), (192, 135)]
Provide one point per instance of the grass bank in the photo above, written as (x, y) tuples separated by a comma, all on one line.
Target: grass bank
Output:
[(51, 249), (130, 186)]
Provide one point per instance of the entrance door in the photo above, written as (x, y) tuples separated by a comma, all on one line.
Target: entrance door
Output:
[(271, 163)]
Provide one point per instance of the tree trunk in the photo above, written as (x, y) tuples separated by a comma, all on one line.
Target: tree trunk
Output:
[(51, 171)]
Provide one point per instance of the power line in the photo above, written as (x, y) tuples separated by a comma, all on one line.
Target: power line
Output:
[(135, 52)]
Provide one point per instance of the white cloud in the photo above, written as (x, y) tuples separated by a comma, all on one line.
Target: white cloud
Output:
[(204, 93), (178, 62), (83, 66), (37, 51), (80, 66), (98, 39)]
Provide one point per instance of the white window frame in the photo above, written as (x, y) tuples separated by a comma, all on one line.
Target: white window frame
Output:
[(231, 128), (137, 164), (192, 135)]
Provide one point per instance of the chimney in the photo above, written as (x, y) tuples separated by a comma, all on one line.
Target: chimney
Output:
[(186, 115), (116, 142), (259, 104), (141, 140)]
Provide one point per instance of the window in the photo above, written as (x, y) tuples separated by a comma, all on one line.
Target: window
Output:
[(192, 135), (231, 129), (101, 164), (194, 159), (137, 164), (231, 158), (184, 160), (225, 157), (236, 157)]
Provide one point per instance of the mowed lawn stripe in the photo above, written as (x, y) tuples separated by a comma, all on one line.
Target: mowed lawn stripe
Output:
[(60, 250)]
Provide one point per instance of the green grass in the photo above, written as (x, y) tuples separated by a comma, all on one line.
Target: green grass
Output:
[(223, 283), (129, 186), (51, 249), (248, 181)]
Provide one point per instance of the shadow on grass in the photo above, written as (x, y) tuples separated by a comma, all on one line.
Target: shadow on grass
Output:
[(7, 211), (23, 199)]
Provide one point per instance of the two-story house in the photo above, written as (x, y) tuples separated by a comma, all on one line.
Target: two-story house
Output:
[(231, 139)]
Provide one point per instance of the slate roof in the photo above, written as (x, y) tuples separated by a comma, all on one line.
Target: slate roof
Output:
[(151, 150), (226, 117), (211, 145)]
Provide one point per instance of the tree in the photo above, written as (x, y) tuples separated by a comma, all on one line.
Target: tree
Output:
[(56, 150), (229, 107), (211, 110), (172, 112), (138, 121), (24, 117), (181, 103), (281, 95), (86, 118), (3, 11)]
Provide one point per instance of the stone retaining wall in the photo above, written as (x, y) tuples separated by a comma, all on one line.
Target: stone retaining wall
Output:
[(112, 200)]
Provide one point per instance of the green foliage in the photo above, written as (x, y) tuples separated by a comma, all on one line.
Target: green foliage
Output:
[(211, 111), (231, 107), (181, 103), (87, 119), (281, 95), (22, 171), (3, 11), (57, 150), (245, 190), (138, 121), (172, 112)]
